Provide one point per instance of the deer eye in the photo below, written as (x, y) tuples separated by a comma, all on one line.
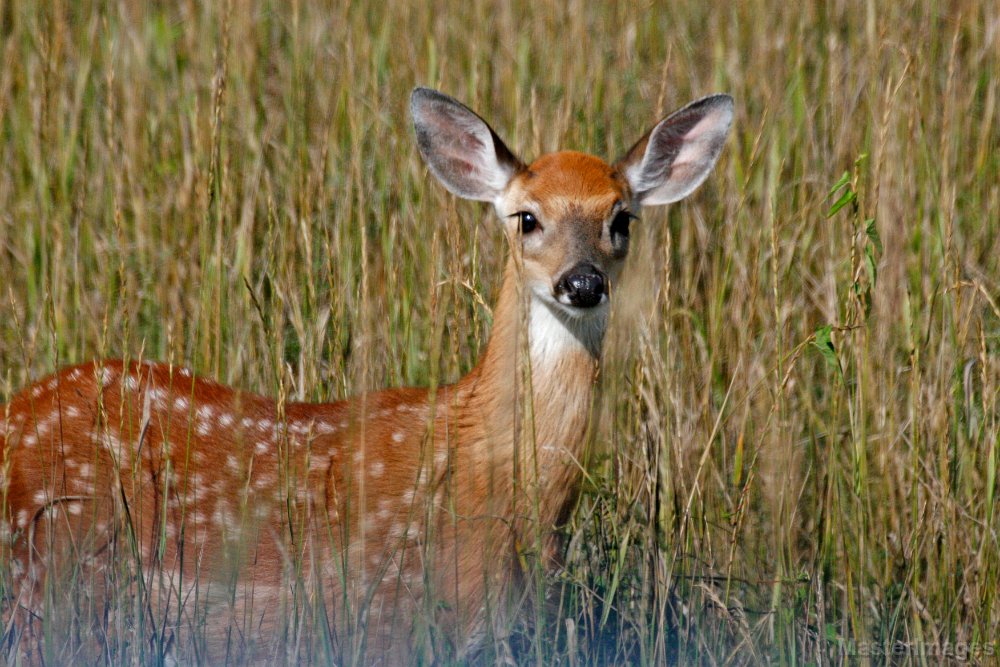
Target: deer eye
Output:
[(619, 226), (528, 222)]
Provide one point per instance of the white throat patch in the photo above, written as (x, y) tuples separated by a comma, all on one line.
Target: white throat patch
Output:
[(552, 332)]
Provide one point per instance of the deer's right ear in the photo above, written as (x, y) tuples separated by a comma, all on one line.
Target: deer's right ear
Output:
[(463, 151)]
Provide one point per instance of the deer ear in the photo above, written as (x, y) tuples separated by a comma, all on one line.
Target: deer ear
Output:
[(463, 151), (674, 157)]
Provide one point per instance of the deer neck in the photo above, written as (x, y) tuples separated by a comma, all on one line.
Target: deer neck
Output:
[(528, 402)]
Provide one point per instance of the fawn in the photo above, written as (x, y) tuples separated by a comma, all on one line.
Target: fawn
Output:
[(392, 507)]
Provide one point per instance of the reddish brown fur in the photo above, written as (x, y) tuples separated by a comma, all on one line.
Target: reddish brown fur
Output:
[(573, 194), (226, 513), (413, 493), (572, 174)]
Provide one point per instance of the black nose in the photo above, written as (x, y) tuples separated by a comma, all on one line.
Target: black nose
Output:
[(582, 286)]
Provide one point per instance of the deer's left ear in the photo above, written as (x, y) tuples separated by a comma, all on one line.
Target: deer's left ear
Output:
[(674, 157)]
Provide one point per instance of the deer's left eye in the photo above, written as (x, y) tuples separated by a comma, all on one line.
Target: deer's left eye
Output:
[(620, 225)]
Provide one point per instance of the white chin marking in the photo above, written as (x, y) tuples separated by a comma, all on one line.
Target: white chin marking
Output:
[(557, 328)]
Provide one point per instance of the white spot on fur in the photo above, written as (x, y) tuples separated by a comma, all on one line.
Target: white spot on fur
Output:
[(377, 469), (41, 497), (246, 422), (205, 412), (226, 420), (398, 530), (29, 440), (398, 436), (261, 447), (232, 463), (105, 376), (131, 383), (22, 518), (224, 517), (72, 411), (37, 391), (52, 384), (86, 471), (75, 374), (384, 509), (181, 403), (264, 424), (198, 493), (204, 428), (75, 509), (114, 445)]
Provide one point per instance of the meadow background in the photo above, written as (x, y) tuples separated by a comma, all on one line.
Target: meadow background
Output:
[(797, 449)]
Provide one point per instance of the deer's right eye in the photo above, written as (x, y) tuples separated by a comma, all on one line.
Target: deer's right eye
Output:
[(528, 221)]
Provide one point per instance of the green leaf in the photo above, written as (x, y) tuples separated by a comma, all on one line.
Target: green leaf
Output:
[(844, 180), (870, 265), (823, 342), (845, 199), (871, 230)]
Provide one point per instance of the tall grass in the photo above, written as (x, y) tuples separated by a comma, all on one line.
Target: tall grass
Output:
[(797, 446)]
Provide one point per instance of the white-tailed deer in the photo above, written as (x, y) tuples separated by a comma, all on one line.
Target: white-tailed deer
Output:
[(386, 514)]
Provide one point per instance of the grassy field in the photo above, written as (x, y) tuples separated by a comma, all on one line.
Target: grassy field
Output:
[(796, 458)]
